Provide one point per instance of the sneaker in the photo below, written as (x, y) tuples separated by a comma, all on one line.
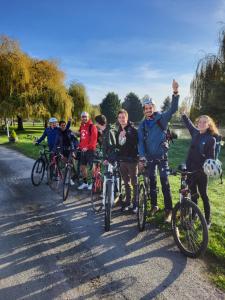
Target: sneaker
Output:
[(83, 186), (72, 182), (154, 210), (135, 210), (168, 216), (90, 186)]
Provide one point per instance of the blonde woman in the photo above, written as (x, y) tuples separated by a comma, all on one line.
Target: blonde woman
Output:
[(202, 147)]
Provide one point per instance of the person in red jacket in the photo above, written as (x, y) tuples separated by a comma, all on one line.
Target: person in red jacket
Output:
[(88, 141)]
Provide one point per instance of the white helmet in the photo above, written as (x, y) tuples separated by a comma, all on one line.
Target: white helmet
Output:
[(52, 120), (212, 167)]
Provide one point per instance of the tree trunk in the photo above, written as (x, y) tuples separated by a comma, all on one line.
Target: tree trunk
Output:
[(20, 123)]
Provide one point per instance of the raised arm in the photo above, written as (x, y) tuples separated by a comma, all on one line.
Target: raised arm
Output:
[(166, 116), (190, 126)]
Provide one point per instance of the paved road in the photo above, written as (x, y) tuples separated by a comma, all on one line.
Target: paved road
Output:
[(51, 250)]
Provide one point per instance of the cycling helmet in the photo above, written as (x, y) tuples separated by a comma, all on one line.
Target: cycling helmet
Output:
[(147, 100), (52, 120), (212, 167), (84, 114)]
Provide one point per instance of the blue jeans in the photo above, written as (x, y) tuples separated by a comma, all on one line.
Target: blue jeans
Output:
[(163, 168)]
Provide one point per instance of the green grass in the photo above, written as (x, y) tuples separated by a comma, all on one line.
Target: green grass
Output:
[(215, 256)]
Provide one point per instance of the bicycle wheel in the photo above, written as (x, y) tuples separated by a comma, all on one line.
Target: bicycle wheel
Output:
[(53, 175), (108, 204), (189, 229), (142, 207), (66, 182), (38, 171), (96, 193)]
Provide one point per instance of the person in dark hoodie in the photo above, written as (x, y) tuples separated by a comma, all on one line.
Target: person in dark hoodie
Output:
[(202, 147), (127, 141)]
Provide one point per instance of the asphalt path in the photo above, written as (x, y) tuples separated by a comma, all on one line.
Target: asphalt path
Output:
[(55, 250)]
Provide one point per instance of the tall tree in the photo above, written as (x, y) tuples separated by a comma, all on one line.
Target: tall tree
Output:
[(133, 106), (208, 85), (80, 99), (110, 106), (166, 104)]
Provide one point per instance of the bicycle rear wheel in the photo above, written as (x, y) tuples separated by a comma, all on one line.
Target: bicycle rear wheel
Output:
[(66, 182), (142, 207), (189, 229), (96, 193), (38, 171), (108, 205)]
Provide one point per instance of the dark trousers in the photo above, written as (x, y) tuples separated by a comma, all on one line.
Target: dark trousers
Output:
[(198, 182), (129, 173), (163, 168)]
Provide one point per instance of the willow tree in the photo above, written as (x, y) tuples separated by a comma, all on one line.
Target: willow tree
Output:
[(14, 78), (208, 85), (47, 94), (80, 99)]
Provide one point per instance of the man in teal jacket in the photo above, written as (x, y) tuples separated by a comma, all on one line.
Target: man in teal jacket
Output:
[(153, 148)]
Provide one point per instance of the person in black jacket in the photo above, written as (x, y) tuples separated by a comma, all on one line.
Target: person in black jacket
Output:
[(127, 144), (202, 147)]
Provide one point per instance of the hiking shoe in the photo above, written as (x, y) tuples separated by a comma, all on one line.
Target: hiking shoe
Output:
[(72, 182), (154, 210), (83, 186), (168, 216)]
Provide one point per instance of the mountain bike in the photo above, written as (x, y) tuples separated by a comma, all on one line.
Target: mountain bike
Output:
[(112, 188), (71, 172), (143, 196), (40, 166), (97, 186), (188, 223), (56, 170)]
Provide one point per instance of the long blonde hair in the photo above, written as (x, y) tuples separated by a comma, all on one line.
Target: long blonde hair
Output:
[(212, 125)]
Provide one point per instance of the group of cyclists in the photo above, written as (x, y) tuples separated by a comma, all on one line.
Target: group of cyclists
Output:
[(135, 149)]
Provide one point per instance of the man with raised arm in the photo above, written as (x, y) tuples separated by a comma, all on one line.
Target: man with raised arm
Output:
[(153, 148)]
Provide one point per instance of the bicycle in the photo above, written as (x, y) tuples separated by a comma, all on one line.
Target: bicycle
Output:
[(40, 165), (188, 223), (56, 170), (112, 185), (143, 196), (97, 186), (70, 169)]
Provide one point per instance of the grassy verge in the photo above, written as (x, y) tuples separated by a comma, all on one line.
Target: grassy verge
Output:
[(216, 249)]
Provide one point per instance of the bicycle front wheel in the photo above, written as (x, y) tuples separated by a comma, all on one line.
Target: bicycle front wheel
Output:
[(108, 205), (142, 207), (66, 182), (189, 228), (38, 171), (54, 176), (97, 193)]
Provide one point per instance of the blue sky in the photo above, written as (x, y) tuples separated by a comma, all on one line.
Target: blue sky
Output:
[(118, 45)]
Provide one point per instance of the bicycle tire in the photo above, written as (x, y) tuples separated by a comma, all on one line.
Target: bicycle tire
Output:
[(38, 168), (53, 176), (185, 234), (96, 193), (142, 207), (108, 205), (66, 182)]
